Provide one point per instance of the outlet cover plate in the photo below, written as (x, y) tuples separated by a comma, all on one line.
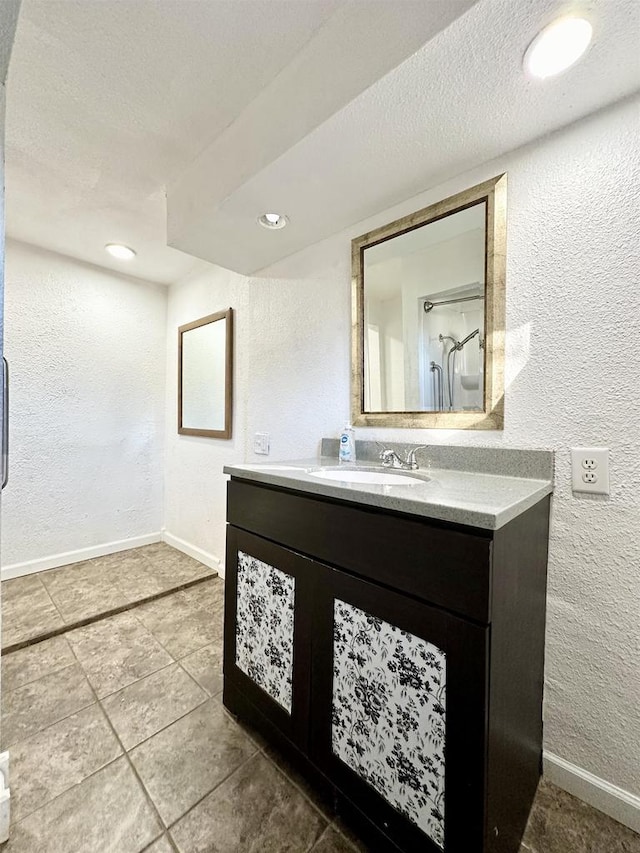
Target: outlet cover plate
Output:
[(590, 470)]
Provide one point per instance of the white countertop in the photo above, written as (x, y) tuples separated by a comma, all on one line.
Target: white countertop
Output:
[(482, 500)]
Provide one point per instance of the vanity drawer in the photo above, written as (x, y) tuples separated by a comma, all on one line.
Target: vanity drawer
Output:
[(435, 562)]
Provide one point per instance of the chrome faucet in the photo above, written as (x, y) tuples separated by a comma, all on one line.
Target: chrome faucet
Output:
[(390, 458)]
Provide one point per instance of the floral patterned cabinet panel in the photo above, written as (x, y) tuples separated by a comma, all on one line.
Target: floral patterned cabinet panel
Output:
[(388, 714), (264, 627)]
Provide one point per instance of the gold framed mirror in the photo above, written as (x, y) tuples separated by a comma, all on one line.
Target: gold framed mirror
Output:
[(428, 315), (205, 376)]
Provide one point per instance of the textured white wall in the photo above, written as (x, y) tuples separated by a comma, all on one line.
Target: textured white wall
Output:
[(194, 485), (87, 355), (291, 354), (572, 375)]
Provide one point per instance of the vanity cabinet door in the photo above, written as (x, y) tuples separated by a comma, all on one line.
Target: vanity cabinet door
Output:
[(398, 713), (266, 643)]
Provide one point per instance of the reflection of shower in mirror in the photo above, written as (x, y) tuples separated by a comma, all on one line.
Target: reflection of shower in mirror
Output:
[(468, 381), (421, 320), (453, 350)]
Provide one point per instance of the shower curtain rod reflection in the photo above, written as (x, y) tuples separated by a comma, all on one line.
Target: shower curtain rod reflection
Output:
[(429, 305)]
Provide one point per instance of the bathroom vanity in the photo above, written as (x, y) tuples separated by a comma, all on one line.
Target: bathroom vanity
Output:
[(390, 641)]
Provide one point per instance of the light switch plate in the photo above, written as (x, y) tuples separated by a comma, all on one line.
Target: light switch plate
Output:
[(261, 443), (590, 470)]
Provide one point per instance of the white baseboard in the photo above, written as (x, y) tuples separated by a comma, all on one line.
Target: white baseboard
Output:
[(16, 570), (205, 557), (602, 795)]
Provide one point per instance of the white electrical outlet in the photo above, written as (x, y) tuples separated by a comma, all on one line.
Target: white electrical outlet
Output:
[(590, 470), (261, 443)]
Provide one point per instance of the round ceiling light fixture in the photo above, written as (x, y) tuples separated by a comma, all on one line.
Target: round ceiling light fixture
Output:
[(120, 251), (273, 221), (557, 47)]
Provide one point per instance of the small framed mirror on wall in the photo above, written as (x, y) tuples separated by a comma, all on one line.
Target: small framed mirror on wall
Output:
[(205, 375), (428, 308)]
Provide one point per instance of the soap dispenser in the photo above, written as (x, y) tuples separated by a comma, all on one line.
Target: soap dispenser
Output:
[(347, 452)]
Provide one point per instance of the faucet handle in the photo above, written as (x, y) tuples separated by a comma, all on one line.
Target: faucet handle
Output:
[(411, 456), (387, 457)]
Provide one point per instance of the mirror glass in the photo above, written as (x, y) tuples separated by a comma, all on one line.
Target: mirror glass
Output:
[(429, 315), (424, 317), (204, 394)]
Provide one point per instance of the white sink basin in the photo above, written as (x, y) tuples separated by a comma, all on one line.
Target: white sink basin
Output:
[(372, 478)]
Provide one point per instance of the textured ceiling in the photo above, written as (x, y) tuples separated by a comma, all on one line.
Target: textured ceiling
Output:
[(110, 101), (327, 110), (461, 100), (107, 101)]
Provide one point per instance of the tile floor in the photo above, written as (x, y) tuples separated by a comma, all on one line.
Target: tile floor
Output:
[(119, 743), (46, 603)]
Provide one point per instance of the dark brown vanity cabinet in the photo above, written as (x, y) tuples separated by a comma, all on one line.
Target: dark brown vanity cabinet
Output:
[(397, 661)]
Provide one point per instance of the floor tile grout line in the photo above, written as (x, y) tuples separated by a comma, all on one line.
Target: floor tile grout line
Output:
[(99, 699), (305, 796), (168, 827), (259, 751), (60, 719), (9, 624), (55, 606), (215, 788), (84, 778), (70, 620), (127, 751), (68, 626), (164, 728), (317, 841), (329, 821), (38, 677), (130, 683), (296, 786), (147, 796), (166, 831), (114, 585), (192, 677), (149, 631), (55, 672), (45, 728), (128, 758), (141, 678), (163, 646), (165, 834), (90, 620), (66, 790), (234, 719)]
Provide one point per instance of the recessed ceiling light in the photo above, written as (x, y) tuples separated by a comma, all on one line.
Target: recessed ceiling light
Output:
[(273, 220), (557, 47), (121, 252)]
